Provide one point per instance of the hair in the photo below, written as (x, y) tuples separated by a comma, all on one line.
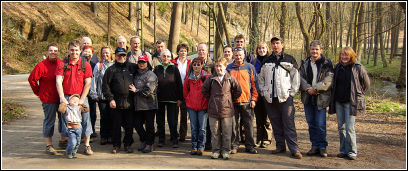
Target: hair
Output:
[(279, 39), (203, 44), (164, 51), (110, 55), (261, 44), (349, 52), (88, 47), (182, 45), (197, 60), (120, 37), (52, 44), (239, 36), (316, 43), (222, 61), (134, 37), (75, 43), (86, 37), (159, 42), (228, 47)]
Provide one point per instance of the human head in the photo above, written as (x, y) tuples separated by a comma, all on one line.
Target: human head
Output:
[(106, 53), (135, 42), (182, 50), (121, 41), (347, 56), (262, 49), (228, 53), (120, 55), (142, 61), (87, 51), (315, 49), (85, 41), (220, 65), (53, 52), (197, 64), (239, 41), (239, 55), (277, 44), (74, 100), (160, 45), (74, 49), (202, 51), (165, 56)]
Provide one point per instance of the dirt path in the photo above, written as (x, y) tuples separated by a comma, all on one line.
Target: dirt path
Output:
[(381, 144)]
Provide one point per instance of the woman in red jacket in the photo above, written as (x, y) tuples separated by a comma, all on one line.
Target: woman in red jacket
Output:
[(197, 106)]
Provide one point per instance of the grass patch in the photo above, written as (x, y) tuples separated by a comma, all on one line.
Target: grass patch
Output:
[(12, 111), (376, 105), (390, 73)]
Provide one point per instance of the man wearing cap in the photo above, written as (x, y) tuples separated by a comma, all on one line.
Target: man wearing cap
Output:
[(136, 51), (279, 82), (71, 79), (239, 42), (116, 87), (245, 74)]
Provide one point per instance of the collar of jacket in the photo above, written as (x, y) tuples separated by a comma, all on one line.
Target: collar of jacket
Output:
[(235, 65), (192, 77)]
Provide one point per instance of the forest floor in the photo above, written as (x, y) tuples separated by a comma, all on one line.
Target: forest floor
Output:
[(381, 141)]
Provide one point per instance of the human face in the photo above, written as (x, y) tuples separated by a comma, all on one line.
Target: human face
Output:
[(315, 52), (86, 41), (228, 54), (239, 43), (135, 43), (87, 52), (160, 47), (239, 57), (165, 57), (344, 58), (182, 53), (202, 51), (53, 53), (74, 52), (121, 58), (219, 68), (142, 64), (73, 101), (277, 46), (262, 51), (106, 54), (197, 67), (122, 43)]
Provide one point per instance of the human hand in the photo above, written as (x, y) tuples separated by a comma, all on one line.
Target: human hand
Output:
[(179, 102), (252, 104), (132, 88), (112, 104)]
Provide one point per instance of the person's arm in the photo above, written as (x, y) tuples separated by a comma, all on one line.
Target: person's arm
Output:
[(60, 89), (93, 92), (35, 75), (326, 82), (205, 89), (85, 91), (295, 81), (254, 85), (365, 79), (236, 89), (106, 89)]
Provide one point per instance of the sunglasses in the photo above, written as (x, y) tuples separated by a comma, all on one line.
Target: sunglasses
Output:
[(196, 64), (122, 55), (141, 62)]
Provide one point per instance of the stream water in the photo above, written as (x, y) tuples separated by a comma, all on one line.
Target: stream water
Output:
[(386, 89)]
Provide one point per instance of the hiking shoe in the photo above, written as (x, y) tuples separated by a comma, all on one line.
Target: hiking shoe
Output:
[(142, 146), (234, 151), (104, 141), (193, 152), (296, 155), (225, 156), (74, 155), (351, 157), (69, 156), (215, 155), (63, 144), (128, 149), (323, 152), (264, 145), (147, 149), (341, 155), (312, 151), (200, 152), (115, 150), (50, 150), (276, 151), (88, 150), (251, 150)]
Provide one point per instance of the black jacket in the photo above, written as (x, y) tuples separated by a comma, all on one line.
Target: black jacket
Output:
[(116, 83), (169, 86)]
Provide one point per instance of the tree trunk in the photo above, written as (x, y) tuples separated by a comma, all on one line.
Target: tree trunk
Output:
[(359, 31), (192, 19), (174, 35), (350, 31), (254, 28), (402, 76), (372, 21), (94, 7), (131, 16), (109, 23), (341, 27), (219, 44), (395, 18), (199, 14), (305, 34), (380, 36), (282, 21), (222, 12), (154, 22), (151, 11), (328, 24), (182, 12), (267, 21)]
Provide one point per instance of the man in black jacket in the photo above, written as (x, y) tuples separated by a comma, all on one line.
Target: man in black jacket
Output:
[(116, 82)]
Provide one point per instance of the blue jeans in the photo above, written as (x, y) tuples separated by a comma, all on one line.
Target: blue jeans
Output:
[(198, 123), (316, 119), (50, 111), (74, 135), (348, 144), (86, 122)]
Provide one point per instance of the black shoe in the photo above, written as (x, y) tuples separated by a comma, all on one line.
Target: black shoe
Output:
[(147, 149), (128, 149), (341, 155), (251, 150), (312, 151), (323, 152)]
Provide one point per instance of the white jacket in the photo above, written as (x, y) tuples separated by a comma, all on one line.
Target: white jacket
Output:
[(287, 83)]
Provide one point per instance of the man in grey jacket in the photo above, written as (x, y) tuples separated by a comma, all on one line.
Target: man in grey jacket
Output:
[(316, 75)]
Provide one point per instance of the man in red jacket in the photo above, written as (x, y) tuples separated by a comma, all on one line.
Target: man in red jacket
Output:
[(44, 72)]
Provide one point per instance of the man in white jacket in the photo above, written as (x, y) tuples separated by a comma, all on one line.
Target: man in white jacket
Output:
[(279, 82)]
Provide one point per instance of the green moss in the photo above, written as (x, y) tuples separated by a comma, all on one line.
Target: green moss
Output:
[(11, 111)]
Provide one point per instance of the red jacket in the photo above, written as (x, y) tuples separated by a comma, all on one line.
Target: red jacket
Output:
[(44, 72), (192, 92)]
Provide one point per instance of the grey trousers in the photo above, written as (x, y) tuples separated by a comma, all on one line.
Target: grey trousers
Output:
[(282, 117), (247, 115), (221, 130)]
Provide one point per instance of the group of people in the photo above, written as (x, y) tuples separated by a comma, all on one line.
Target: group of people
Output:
[(134, 89)]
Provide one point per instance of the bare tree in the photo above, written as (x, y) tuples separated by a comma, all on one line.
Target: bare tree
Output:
[(199, 14), (380, 35), (131, 11), (350, 31), (254, 27), (359, 32), (174, 35), (267, 21), (192, 18), (94, 7), (150, 11), (109, 23), (282, 21), (395, 18)]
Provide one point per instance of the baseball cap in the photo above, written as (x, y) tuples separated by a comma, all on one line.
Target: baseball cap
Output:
[(120, 51), (276, 38), (143, 58), (74, 95)]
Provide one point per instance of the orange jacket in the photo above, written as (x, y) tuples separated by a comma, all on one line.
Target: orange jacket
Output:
[(245, 74)]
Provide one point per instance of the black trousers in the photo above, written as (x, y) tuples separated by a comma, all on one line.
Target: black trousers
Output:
[(172, 120), (92, 113), (124, 116), (145, 117), (106, 119), (183, 120), (263, 125), (247, 115)]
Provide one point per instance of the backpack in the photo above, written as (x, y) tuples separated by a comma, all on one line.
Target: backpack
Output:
[(66, 62)]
